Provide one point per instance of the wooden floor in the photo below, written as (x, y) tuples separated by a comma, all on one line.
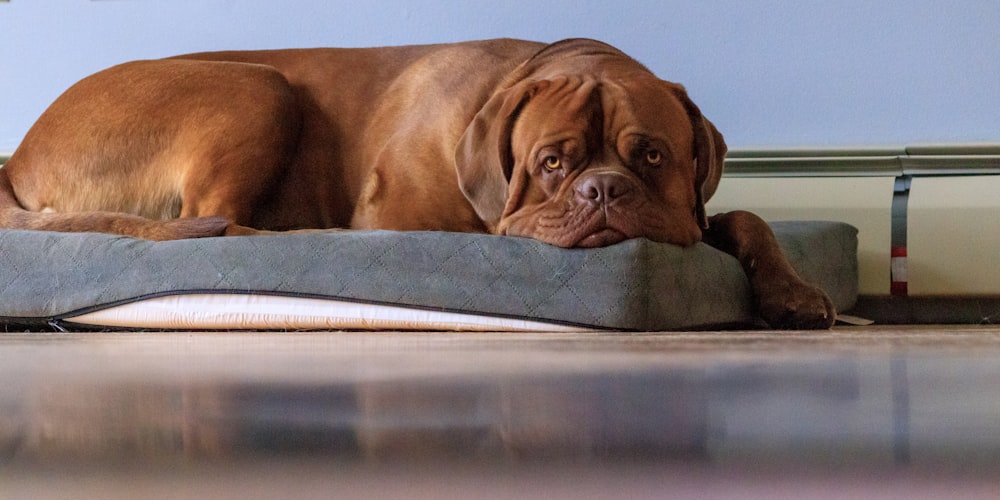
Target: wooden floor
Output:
[(854, 412)]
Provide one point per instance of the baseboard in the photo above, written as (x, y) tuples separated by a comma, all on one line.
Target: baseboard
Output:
[(889, 310)]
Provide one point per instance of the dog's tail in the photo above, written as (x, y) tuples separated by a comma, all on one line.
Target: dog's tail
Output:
[(14, 216)]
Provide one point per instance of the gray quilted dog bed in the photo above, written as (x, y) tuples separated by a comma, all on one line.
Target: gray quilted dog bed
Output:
[(54, 278)]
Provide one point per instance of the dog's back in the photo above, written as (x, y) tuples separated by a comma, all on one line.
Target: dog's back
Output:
[(275, 140)]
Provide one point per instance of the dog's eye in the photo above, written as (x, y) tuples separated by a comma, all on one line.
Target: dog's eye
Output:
[(552, 163), (653, 157)]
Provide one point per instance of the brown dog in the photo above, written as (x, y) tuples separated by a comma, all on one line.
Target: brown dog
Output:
[(573, 143)]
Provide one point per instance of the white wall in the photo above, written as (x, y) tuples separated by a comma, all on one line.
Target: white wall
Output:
[(768, 73)]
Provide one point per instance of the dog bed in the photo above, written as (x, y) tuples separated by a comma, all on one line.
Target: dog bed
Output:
[(395, 280)]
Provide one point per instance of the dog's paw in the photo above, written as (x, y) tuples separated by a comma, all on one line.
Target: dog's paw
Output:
[(795, 305)]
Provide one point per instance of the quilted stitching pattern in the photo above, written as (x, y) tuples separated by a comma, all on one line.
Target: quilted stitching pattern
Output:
[(637, 284)]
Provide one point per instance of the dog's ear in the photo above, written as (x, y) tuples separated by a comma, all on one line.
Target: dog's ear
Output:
[(709, 156), (483, 158)]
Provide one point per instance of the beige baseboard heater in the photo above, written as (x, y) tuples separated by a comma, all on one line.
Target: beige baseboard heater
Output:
[(928, 219)]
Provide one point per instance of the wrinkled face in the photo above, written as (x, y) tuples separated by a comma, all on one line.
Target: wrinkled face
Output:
[(595, 163)]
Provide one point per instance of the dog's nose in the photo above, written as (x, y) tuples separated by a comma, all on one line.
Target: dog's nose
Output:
[(603, 188)]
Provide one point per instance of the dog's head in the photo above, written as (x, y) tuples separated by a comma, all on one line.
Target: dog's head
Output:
[(586, 148)]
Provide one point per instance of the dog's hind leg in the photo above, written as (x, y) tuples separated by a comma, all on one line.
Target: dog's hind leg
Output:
[(132, 148), (14, 216)]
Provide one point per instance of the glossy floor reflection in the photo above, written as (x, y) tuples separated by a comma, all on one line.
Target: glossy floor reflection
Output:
[(920, 403)]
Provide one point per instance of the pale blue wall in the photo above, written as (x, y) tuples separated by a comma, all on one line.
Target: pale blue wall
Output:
[(769, 73)]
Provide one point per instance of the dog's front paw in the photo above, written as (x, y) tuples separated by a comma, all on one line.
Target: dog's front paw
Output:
[(794, 305)]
